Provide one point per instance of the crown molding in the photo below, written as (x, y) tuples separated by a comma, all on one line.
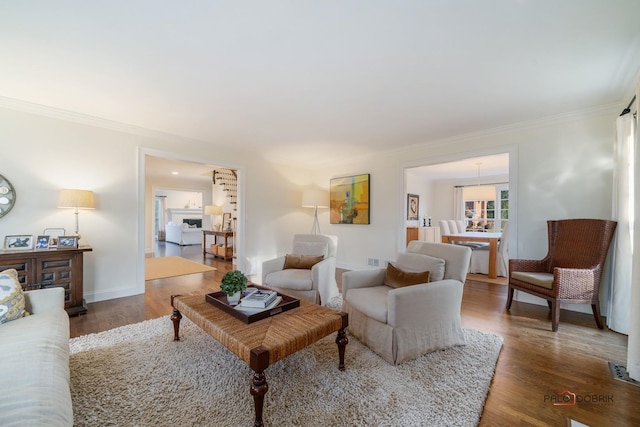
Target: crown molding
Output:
[(612, 108), (87, 120)]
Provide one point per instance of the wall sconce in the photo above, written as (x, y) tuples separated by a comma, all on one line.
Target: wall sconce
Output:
[(212, 210), (314, 198), (76, 199)]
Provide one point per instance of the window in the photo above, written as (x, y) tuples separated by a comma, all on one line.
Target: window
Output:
[(483, 215)]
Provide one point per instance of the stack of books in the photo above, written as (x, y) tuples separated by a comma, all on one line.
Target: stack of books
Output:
[(259, 299)]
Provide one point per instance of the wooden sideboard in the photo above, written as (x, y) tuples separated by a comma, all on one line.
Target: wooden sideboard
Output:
[(425, 234), (47, 268)]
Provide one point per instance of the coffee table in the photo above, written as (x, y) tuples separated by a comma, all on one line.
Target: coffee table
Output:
[(262, 343)]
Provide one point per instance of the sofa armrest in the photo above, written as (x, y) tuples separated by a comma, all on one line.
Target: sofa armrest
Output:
[(426, 304), (362, 279), (270, 266), (43, 300)]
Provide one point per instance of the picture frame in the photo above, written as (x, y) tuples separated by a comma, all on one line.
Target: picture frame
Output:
[(413, 207), (42, 242), (350, 199), (67, 242), (17, 242), (53, 234)]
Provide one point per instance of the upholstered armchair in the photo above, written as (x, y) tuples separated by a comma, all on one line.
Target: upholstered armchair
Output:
[(403, 323), (571, 270), (301, 274)]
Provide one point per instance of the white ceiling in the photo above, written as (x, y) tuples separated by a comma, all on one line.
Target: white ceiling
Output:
[(311, 81)]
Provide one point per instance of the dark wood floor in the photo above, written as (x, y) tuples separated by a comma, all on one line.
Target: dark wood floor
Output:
[(534, 364)]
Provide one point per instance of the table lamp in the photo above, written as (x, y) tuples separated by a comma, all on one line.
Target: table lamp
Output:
[(76, 199), (212, 210)]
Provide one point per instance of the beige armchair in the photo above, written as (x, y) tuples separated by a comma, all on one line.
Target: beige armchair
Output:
[(401, 324), (316, 284)]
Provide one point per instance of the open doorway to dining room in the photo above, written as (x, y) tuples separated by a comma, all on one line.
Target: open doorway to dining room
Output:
[(478, 190)]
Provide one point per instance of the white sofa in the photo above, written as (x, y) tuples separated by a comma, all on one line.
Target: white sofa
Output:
[(34, 364), (183, 234)]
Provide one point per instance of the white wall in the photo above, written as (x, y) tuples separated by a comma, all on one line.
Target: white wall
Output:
[(43, 154), (563, 168), (559, 168)]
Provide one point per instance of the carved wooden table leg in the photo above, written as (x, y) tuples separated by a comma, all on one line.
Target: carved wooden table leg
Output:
[(175, 318), (342, 339), (342, 342), (259, 386)]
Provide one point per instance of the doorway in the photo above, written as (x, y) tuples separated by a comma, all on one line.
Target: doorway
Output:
[(436, 180), (181, 173)]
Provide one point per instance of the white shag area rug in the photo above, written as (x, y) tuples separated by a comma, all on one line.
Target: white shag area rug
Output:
[(137, 375)]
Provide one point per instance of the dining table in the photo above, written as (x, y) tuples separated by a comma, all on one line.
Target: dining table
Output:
[(479, 236)]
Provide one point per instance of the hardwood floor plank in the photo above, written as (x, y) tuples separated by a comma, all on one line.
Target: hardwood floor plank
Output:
[(535, 363)]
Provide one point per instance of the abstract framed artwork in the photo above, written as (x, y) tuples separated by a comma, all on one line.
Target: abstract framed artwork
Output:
[(413, 205), (349, 200)]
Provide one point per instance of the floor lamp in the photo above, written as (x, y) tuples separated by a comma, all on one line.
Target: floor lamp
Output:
[(315, 198)]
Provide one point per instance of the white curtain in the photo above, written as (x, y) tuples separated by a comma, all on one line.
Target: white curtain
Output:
[(633, 349), (619, 307), (458, 203)]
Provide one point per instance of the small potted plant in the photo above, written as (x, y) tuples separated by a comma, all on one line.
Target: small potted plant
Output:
[(232, 285)]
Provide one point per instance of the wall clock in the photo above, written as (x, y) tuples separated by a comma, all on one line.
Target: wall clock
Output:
[(7, 196)]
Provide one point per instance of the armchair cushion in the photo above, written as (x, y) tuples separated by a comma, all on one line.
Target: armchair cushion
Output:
[(415, 263), (397, 278), (371, 302), (301, 261), (540, 279), (292, 278)]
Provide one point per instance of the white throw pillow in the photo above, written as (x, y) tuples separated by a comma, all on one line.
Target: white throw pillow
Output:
[(417, 263)]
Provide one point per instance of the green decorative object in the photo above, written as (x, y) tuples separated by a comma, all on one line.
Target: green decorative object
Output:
[(232, 282)]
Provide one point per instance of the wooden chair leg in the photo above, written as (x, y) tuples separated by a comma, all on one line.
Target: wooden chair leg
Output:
[(596, 314), (555, 315), (509, 297)]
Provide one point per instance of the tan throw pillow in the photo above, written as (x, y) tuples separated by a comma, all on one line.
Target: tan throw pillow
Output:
[(303, 262), (12, 300), (397, 278)]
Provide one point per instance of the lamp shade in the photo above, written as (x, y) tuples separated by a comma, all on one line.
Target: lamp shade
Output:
[(213, 210), (315, 198), (479, 192), (82, 199)]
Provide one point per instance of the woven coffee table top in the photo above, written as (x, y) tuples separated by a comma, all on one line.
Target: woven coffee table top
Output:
[(281, 335)]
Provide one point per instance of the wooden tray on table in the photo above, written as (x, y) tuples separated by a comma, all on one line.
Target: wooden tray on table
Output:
[(219, 300)]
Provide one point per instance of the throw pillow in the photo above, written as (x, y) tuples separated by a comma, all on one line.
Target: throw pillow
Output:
[(414, 262), (12, 301), (397, 278), (303, 262)]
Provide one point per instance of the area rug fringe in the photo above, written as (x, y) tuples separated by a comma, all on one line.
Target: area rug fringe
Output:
[(137, 375)]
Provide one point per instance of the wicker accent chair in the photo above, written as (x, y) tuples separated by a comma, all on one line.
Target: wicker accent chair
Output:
[(572, 269)]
